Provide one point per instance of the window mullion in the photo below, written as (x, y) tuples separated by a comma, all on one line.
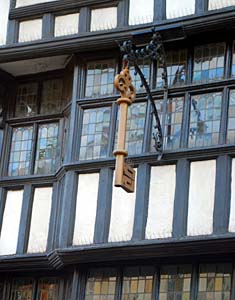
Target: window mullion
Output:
[(194, 282), (34, 148)]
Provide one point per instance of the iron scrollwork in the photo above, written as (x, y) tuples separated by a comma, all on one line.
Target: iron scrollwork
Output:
[(154, 51)]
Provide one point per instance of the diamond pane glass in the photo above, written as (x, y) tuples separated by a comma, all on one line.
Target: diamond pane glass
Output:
[(217, 4), (231, 119), (47, 146), (179, 8), (135, 128), (95, 133), (205, 120), (233, 61), (173, 123), (136, 81), (137, 283), (30, 30), (101, 284), (176, 69), (215, 282), (48, 289), (66, 25), (51, 100), (21, 151), (141, 11), (208, 63), (99, 79), (103, 18), (22, 289), (26, 101), (175, 283)]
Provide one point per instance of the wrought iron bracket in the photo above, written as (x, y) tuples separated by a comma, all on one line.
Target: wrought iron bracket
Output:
[(154, 50)]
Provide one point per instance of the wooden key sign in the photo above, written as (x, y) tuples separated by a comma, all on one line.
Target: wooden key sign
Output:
[(124, 173)]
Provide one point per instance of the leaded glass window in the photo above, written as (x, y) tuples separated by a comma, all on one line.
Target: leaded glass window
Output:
[(22, 289), (51, 100), (101, 284), (231, 119), (103, 18), (30, 30), (217, 4), (179, 8), (99, 79), (176, 69), (95, 133), (66, 24), (137, 283), (21, 151), (205, 120), (208, 63), (135, 128), (215, 282), (47, 145), (136, 81), (172, 124), (233, 61), (175, 282), (48, 289), (26, 102), (141, 11)]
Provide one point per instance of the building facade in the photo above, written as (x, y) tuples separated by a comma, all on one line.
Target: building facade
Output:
[(66, 232)]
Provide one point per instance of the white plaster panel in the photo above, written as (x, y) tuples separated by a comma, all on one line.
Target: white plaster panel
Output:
[(161, 202), (179, 8), (141, 11), (232, 204), (11, 222), (4, 12), (201, 197), (30, 2), (40, 220), (87, 195), (217, 4), (122, 215)]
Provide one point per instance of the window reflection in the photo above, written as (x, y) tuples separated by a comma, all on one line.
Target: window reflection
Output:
[(95, 133), (179, 8), (233, 61), (46, 153), (99, 79), (137, 283), (101, 284), (175, 282), (22, 289), (141, 11), (231, 119), (48, 289), (205, 120), (173, 123), (26, 102), (51, 99), (144, 65), (176, 69), (135, 128), (215, 282), (21, 151), (217, 4), (208, 63)]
